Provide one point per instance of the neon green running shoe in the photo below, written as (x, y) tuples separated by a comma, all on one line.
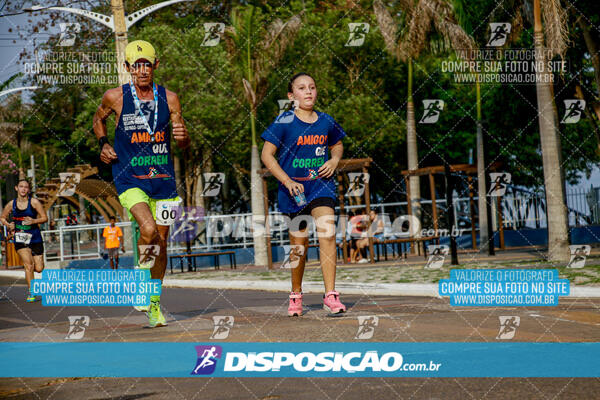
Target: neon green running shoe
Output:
[(30, 298), (142, 308), (155, 316)]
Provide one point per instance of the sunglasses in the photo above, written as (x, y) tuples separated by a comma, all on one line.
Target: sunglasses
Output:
[(139, 64)]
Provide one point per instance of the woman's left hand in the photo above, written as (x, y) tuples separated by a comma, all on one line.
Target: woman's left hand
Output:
[(27, 221), (328, 169)]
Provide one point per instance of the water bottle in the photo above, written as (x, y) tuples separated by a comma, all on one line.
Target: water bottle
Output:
[(300, 199)]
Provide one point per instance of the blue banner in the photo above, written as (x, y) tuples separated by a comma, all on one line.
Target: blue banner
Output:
[(504, 287), (96, 287), (299, 359)]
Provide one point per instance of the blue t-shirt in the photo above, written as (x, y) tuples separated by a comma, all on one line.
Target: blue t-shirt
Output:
[(301, 150)]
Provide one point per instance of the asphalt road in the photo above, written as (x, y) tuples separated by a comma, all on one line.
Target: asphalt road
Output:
[(261, 316)]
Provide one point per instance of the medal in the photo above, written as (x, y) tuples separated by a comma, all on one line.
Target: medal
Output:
[(138, 108)]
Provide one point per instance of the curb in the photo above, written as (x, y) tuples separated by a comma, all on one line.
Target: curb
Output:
[(371, 289)]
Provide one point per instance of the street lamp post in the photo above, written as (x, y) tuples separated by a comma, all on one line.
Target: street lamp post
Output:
[(120, 30), (117, 22)]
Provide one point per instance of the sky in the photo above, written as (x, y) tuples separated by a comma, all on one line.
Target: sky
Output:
[(9, 50)]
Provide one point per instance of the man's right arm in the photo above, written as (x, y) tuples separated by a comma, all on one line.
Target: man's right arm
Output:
[(107, 107)]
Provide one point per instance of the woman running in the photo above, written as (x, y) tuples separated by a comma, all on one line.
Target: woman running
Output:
[(27, 214), (300, 137)]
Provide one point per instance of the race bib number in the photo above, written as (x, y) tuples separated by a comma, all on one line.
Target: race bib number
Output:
[(167, 212), (22, 237)]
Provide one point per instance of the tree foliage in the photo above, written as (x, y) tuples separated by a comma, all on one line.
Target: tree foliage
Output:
[(362, 87)]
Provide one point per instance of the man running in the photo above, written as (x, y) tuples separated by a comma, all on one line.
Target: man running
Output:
[(113, 236), (142, 165), (27, 214)]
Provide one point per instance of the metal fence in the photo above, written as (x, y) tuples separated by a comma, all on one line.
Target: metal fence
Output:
[(79, 242), (234, 230)]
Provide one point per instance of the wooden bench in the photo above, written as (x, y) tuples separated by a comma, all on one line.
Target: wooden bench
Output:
[(193, 256), (418, 241)]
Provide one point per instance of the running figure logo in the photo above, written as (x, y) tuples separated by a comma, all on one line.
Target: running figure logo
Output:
[(68, 34), (358, 33), (223, 325), (213, 181), (186, 226), (293, 254), (508, 327), (573, 110), (212, 33), (207, 359), (148, 254), (432, 110), (437, 255), (77, 325), (286, 105), (358, 182), (498, 33), (366, 327), (499, 182), (578, 255), (68, 183)]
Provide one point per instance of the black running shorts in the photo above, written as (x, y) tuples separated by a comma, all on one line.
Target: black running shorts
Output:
[(307, 210), (37, 249)]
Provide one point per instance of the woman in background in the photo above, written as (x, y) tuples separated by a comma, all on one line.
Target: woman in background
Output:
[(27, 214)]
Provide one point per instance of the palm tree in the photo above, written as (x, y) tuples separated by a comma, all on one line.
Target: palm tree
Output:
[(256, 51), (554, 30), (483, 206), (482, 202), (419, 18)]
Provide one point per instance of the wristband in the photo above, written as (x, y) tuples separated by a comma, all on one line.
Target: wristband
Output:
[(102, 141)]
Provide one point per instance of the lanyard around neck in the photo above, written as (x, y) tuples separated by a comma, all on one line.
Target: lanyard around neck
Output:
[(138, 108)]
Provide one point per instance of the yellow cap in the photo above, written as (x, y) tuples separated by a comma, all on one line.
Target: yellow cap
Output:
[(139, 49)]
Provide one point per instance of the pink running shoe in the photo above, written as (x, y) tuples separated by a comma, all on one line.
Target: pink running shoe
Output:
[(295, 307), (332, 303)]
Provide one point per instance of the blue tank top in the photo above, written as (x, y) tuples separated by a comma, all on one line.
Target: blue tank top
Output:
[(19, 215), (144, 161)]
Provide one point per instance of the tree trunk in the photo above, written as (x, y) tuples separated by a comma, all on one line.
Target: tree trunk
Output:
[(481, 175), (82, 215), (177, 168), (556, 211), (592, 47), (205, 166), (239, 179), (411, 144), (258, 214), (198, 188), (187, 178)]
